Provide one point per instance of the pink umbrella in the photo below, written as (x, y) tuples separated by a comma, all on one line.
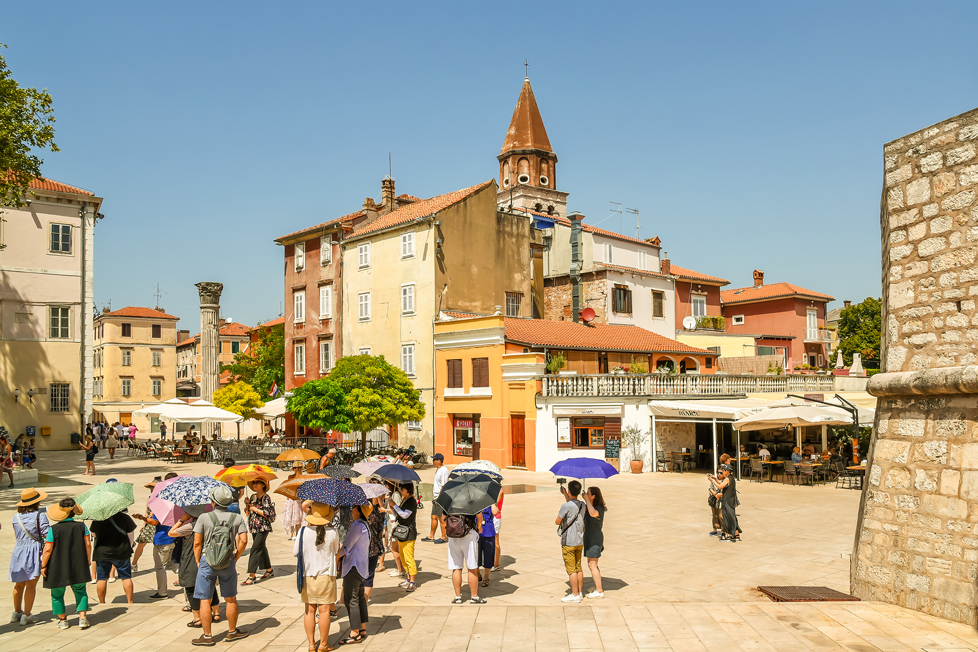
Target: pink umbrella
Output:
[(368, 467), (166, 512)]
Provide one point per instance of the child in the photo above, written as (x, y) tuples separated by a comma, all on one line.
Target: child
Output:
[(29, 456)]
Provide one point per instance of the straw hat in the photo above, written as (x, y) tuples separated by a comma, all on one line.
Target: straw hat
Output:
[(365, 509), (31, 496), (319, 514), (58, 513)]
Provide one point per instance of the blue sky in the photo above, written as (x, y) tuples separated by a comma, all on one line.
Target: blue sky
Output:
[(748, 134)]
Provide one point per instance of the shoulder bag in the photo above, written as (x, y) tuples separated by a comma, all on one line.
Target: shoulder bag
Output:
[(561, 528)]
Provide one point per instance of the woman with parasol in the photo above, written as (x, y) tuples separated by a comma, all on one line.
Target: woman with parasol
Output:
[(315, 549), (261, 513)]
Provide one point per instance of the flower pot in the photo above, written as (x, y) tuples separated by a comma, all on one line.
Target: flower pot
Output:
[(636, 466)]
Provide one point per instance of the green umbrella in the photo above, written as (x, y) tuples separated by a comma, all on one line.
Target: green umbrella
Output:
[(123, 489), (104, 500)]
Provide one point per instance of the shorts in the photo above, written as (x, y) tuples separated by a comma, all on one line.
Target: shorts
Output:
[(123, 569), (207, 577), (464, 552), (319, 590), (497, 523), (572, 558), (436, 509), (487, 552)]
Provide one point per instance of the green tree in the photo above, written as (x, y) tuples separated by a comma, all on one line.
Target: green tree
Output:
[(362, 392), (263, 363), (859, 330), (26, 125), (240, 398)]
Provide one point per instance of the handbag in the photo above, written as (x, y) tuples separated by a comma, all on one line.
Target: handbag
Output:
[(300, 568), (401, 533), (712, 500)]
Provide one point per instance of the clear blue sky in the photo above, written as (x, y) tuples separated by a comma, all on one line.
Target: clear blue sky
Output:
[(748, 134)]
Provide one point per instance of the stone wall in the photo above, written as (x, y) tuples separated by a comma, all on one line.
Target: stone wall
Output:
[(673, 437), (917, 537), (558, 294)]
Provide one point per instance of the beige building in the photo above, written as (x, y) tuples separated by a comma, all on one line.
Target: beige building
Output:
[(46, 308), (135, 363), (233, 338)]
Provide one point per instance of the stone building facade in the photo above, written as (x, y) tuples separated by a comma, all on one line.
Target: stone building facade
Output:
[(558, 294), (917, 536)]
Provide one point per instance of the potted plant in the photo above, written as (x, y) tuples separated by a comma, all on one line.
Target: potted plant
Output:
[(633, 439), (638, 367), (556, 362)]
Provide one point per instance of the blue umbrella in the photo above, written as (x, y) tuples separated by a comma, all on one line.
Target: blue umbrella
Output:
[(397, 473), (189, 490), (332, 492), (583, 468)]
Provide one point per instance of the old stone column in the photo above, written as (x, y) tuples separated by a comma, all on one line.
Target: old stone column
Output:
[(210, 308)]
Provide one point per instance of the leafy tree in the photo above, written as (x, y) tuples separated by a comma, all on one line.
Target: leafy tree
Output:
[(240, 398), (263, 363), (859, 330), (26, 124), (362, 392)]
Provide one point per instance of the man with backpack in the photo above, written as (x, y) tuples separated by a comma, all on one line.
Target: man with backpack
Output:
[(570, 520), (463, 550), (220, 538)]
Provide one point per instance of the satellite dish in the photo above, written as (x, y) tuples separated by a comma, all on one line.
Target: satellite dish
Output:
[(689, 323), (587, 315), (228, 320)]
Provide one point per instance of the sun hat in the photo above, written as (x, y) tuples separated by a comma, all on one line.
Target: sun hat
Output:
[(31, 496), (365, 509), (319, 514), (726, 467), (153, 483), (58, 513), (221, 495)]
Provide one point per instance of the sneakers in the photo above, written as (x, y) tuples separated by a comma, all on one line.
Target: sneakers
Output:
[(63, 624), (457, 600), (27, 619), (477, 600), (94, 581), (203, 639), (236, 635), (15, 617), (595, 595), (571, 598), (112, 581), (83, 623), (395, 573)]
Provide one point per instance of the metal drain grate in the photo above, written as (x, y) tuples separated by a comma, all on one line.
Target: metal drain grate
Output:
[(805, 594)]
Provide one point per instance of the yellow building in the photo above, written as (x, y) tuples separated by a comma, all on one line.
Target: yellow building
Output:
[(730, 345), (135, 363)]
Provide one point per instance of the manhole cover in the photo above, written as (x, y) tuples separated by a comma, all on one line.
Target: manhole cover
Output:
[(805, 594)]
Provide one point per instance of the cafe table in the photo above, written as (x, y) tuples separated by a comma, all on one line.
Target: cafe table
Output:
[(862, 472)]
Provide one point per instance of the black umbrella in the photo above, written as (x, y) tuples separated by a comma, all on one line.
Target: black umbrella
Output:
[(469, 494), (339, 471), (397, 473)]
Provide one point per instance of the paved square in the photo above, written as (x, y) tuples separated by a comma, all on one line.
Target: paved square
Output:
[(668, 584)]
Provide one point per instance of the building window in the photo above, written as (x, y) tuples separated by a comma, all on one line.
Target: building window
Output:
[(325, 250), (59, 316), (407, 245), (61, 238), (641, 260), (407, 359), (454, 373), (157, 358), (364, 350), (414, 425), (514, 304), (364, 306), (480, 372), (363, 255), (658, 304), (738, 320), (300, 359), (709, 363), (59, 397), (300, 256), (325, 356), (407, 299), (588, 433), (126, 387), (157, 387), (235, 347), (606, 252), (157, 331), (126, 357), (299, 306), (621, 299), (127, 330), (325, 301), (699, 305)]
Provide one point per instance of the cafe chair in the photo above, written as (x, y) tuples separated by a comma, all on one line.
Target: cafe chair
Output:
[(660, 460), (789, 472), (676, 460), (806, 472), (756, 468)]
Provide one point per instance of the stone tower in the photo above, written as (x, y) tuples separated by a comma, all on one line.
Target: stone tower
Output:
[(210, 309), (527, 163), (917, 535)]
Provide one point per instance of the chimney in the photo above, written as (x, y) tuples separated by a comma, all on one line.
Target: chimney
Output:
[(577, 263), (370, 208), (758, 278), (846, 303), (182, 335), (664, 265), (387, 193)]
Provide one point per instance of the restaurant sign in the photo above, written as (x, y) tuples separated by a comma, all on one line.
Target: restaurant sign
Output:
[(463, 423)]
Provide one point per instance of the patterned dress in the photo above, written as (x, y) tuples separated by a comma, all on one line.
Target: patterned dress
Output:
[(292, 514)]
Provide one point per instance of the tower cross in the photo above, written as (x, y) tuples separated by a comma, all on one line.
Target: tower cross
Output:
[(526, 66)]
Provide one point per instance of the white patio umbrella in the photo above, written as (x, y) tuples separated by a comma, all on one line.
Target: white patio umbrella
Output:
[(274, 408), (158, 409), (811, 414), (866, 415)]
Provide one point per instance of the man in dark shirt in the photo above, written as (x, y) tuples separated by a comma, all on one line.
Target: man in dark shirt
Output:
[(113, 548)]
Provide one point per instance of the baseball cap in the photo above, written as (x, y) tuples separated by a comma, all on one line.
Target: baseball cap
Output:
[(438, 456), (221, 495)]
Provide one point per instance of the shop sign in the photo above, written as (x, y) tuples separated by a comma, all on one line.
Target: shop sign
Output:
[(463, 423)]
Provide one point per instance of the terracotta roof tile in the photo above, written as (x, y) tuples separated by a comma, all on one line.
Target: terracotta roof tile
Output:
[(419, 209), (269, 324), (406, 197), (526, 130), (228, 330), (42, 183), (592, 229), (769, 291), (135, 311), (682, 272), (629, 270), (311, 229), (604, 337)]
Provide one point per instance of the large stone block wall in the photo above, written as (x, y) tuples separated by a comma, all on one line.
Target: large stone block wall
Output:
[(917, 538), (559, 292)]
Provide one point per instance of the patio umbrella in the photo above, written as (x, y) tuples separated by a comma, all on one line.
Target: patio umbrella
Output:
[(333, 492), (372, 490), (368, 467), (811, 414), (478, 466), (340, 471), (397, 473), (583, 468), (274, 408), (188, 490), (297, 455), (241, 474), (290, 488), (468, 494), (123, 489), (100, 505)]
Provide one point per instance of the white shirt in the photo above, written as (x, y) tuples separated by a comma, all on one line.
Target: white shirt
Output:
[(441, 477), (764, 452), (317, 560)]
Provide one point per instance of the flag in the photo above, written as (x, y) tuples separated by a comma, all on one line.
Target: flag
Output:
[(274, 391)]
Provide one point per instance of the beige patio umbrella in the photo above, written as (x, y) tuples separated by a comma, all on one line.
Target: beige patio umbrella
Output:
[(794, 415)]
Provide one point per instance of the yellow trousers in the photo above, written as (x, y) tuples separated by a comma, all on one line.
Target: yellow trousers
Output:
[(406, 548)]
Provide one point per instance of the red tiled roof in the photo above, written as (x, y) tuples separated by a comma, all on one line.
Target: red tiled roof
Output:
[(604, 337), (629, 270), (135, 311), (769, 291), (682, 272), (42, 183), (593, 229), (269, 324), (227, 330), (406, 197), (420, 209), (189, 340), (310, 229)]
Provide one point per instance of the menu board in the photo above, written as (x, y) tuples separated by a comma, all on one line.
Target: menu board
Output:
[(563, 431), (612, 449)]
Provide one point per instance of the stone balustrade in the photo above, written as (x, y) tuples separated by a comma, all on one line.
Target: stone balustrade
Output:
[(681, 385)]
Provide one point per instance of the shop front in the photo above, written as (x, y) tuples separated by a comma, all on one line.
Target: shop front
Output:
[(592, 430), (466, 435)]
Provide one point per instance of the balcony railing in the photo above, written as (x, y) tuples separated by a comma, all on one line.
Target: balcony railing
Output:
[(681, 385), (818, 335)]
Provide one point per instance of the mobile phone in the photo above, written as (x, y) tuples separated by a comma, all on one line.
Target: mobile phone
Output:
[(561, 480)]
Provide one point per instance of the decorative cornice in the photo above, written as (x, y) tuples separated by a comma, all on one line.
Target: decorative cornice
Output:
[(929, 382)]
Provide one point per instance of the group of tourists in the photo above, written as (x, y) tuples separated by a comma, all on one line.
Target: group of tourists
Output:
[(579, 524), (19, 452)]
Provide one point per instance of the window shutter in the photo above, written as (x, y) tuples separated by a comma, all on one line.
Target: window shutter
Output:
[(454, 373), (480, 372), (612, 428)]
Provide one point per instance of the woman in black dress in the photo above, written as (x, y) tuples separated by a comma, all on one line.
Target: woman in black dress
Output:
[(594, 537), (728, 504), (90, 448)]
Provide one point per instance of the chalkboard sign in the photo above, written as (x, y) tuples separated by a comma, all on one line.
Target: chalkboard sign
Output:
[(612, 449)]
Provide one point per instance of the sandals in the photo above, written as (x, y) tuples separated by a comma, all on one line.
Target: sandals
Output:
[(249, 581), (195, 624), (353, 640), (411, 586), (485, 582), (216, 618), (267, 575), (187, 608)]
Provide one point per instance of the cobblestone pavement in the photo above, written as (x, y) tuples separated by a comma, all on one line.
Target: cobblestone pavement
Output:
[(669, 585)]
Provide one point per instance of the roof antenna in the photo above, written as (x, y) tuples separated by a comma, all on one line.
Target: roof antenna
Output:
[(634, 211), (157, 295), (390, 167), (621, 217)]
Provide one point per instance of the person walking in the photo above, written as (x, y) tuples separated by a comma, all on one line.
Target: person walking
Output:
[(354, 554), (594, 537), (162, 430), (102, 433), (570, 518), (7, 459), (113, 550), (487, 543), (223, 535), (315, 550), (90, 448), (132, 434), (30, 529), (64, 561), (163, 545), (406, 532), (497, 524), (463, 552), (729, 502), (187, 573), (261, 513), (292, 512), (121, 433), (437, 513), (376, 522)]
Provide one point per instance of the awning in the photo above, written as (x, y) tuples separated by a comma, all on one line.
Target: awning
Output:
[(274, 408), (588, 410), (707, 409)]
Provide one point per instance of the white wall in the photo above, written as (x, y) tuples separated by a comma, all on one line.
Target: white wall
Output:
[(641, 315), (625, 253), (547, 454)]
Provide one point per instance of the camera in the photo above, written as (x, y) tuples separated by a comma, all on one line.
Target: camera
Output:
[(561, 480)]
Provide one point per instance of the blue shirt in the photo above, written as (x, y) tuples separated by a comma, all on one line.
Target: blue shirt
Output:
[(356, 547), (161, 538), (488, 526), (234, 508), (796, 458)]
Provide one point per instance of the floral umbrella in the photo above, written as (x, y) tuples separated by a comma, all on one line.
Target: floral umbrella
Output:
[(290, 488), (479, 466), (241, 474), (372, 490), (333, 492), (187, 490), (340, 471)]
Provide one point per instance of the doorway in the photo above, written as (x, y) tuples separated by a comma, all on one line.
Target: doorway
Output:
[(475, 438), (602, 364), (518, 433)]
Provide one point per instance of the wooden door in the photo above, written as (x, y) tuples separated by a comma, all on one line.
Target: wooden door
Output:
[(518, 433), (476, 437)]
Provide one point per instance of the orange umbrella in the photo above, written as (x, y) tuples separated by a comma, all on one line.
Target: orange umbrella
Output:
[(241, 474), (297, 455), (290, 488)]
